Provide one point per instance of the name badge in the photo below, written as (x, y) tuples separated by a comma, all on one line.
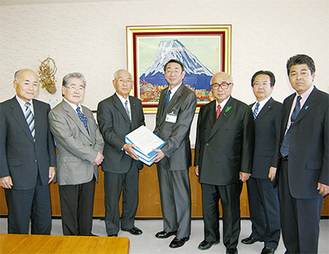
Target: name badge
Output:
[(171, 118)]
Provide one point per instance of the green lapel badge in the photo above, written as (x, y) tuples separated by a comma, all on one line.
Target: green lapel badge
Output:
[(228, 109)]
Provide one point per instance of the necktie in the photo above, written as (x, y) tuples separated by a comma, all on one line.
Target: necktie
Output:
[(83, 118), (167, 99), (255, 113), (127, 110), (286, 140), (30, 119), (218, 111)]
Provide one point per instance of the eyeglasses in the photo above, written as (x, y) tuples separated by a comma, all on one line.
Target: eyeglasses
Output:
[(261, 83), (224, 85), (80, 88), (121, 81)]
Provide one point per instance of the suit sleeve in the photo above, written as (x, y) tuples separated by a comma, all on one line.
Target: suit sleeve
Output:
[(105, 121), (324, 175), (197, 140), (4, 170), (182, 126), (51, 144), (277, 127), (63, 135), (248, 141)]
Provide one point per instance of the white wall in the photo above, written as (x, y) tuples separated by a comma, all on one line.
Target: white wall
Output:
[(91, 38)]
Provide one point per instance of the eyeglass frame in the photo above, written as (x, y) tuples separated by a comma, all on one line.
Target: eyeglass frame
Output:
[(221, 85)]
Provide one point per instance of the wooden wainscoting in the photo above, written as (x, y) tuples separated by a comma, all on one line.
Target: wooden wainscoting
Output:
[(149, 198)]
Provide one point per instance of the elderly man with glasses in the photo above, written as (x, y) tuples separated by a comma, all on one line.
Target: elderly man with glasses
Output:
[(223, 159)]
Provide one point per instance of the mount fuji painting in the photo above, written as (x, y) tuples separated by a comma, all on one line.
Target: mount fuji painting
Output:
[(197, 76)]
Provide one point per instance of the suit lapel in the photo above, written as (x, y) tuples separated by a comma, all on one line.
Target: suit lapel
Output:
[(267, 107), (308, 105), (20, 118), (75, 118), (37, 118), (90, 123), (226, 113)]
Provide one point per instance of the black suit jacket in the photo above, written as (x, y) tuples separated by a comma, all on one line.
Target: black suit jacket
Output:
[(308, 161), (114, 125), (225, 146), (267, 138), (21, 157)]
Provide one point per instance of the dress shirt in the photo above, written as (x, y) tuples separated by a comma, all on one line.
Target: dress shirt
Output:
[(23, 107), (222, 104), (74, 106), (261, 105)]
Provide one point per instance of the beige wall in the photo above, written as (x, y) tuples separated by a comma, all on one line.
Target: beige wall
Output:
[(90, 37)]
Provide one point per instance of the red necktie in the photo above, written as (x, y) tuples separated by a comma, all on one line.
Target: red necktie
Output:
[(218, 111)]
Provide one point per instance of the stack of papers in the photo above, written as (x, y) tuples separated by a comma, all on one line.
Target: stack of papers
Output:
[(145, 141)]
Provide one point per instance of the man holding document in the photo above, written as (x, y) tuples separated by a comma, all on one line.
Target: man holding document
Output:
[(173, 120), (117, 116)]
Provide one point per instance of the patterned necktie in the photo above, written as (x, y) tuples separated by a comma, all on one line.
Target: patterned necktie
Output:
[(83, 118), (218, 111), (30, 119), (166, 102), (127, 109), (286, 140), (255, 113)]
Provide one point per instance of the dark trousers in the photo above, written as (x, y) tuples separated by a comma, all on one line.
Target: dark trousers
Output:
[(175, 196), (114, 183), (300, 218), (264, 209), (77, 208), (25, 204), (230, 200)]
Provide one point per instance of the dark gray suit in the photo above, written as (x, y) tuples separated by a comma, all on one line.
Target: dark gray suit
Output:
[(173, 176), (223, 148), (120, 170), (263, 197), (307, 164), (27, 162)]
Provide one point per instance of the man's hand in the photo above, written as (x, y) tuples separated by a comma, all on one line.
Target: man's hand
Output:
[(244, 176), (129, 149), (272, 173), (6, 182), (52, 173), (99, 159), (160, 155), (323, 189), (196, 170)]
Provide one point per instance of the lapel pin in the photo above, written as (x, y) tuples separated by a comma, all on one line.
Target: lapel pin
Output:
[(306, 107)]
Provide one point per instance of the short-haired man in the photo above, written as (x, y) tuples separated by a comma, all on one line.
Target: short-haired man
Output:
[(80, 147), (117, 116), (28, 158), (263, 197), (175, 113), (223, 158), (303, 175)]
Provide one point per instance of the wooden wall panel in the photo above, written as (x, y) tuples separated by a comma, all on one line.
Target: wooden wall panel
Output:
[(149, 198)]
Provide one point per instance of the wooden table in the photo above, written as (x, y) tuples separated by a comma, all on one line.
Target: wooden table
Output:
[(51, 244)]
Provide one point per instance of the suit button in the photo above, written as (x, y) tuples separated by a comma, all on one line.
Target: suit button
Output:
[(91, 144), (218, 161), (35, 160), (207, 144)]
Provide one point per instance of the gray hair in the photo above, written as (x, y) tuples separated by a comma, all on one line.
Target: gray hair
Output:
[(17, 74), (116, 73), (221, 72), (73, 75)]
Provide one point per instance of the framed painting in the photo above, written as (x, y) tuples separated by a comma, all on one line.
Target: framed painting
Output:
[(204, 50)]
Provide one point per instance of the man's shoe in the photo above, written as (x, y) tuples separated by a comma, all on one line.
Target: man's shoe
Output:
[(204, 245), (164, 234), (250, 240), (178, 242), (134, 231), (267, 250), (232, 251)]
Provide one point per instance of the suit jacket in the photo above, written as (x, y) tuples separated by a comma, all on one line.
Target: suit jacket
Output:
[(76, 148), (308, 161), (21, 157), (114, 125), (224, 146), (177, 135), (267, 138)]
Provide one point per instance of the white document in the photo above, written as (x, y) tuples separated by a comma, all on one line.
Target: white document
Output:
[(145, 140)]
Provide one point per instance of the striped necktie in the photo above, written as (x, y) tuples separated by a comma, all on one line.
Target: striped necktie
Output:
[(255, 113), (127, 109), (30, 119)]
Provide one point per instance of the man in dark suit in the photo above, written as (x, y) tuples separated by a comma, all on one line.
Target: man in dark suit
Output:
[(79, 152), (263, 197), (117, 116), (303, 175), (223, 159), (28, 159), (175, 113)]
